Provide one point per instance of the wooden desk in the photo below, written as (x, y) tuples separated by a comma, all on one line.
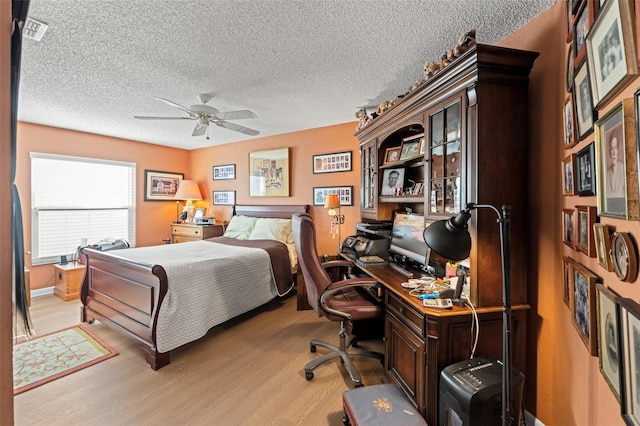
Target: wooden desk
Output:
[(420, 342)]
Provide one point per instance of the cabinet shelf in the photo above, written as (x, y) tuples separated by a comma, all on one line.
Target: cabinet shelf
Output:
[(409, 162), (402, 199)]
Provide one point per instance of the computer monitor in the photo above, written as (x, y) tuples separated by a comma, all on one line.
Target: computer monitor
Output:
[(407, 240)]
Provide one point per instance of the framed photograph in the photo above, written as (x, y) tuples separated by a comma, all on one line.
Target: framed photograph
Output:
[(345, 193), (161, 186), (569, 173), (568, 231), (567, 284), (616, 162), (624, 256), (586, 217), (569, 26), (330, 163), (224, 198), (584, 306), (629, 359), (391, 155), (586, 172), (583, 21), (570, 138), (225, 172), (611, 51), (392, 182), (269, 173), (602, 238), (411, 146), (569, 68), (585, 114), (608, 337)]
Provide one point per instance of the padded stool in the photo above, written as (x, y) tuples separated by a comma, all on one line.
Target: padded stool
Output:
[(379, 405)]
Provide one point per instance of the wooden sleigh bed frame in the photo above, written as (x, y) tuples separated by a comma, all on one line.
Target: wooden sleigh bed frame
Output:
[(126, 295)]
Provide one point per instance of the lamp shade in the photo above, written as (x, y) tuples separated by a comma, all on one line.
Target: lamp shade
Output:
[(332, 201), (188, 190), (450, 238)]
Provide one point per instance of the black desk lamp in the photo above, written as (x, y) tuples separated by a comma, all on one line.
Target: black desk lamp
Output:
[(451, 240)]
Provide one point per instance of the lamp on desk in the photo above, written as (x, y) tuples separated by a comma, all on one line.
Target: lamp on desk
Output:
[(451, 240), (332, 202), (188, 190)]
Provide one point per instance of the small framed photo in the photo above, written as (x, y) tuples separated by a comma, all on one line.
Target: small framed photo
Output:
[(585, 114), (391, 155), (411, 146), (392, 182), (584, 306), (569, 26), (567, 284), (616, 162), (602, 237), (569, 173), (608, 337), (161, 186), (582, 23), (331, 163), (224, 198), (611, 51), (570, 138), (586, 217), (586, 172), (225, 172), (568, 231), (629, 356), (345, 193)]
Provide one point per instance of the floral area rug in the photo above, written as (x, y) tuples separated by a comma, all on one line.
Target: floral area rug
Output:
[(49, 357)]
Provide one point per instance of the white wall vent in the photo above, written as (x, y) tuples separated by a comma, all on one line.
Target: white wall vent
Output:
[(34, 29)]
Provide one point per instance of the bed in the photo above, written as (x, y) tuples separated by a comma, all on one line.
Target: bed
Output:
[(166, 296)]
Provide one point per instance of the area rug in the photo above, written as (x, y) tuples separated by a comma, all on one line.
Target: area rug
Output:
[(49, 357)]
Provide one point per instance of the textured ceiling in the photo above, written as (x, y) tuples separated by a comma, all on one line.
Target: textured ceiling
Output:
[(296, 64)]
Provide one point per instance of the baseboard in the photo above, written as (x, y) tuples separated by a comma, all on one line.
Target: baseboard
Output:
[(530, 420), (41, 291)]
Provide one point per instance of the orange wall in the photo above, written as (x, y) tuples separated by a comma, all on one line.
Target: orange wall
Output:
[(152, 217)]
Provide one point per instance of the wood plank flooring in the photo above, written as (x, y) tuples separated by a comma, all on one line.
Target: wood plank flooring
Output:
[(249, 371)]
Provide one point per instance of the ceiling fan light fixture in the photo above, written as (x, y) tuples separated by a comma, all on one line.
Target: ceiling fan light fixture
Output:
[(203, 121)]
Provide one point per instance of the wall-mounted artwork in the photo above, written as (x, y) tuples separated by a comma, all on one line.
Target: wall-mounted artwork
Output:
[(161, 186), (224, 198), (330, 163), (224, 172), (269, 173)]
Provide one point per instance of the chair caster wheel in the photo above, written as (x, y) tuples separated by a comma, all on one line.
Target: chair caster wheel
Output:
[(308, 376), (312, 348)]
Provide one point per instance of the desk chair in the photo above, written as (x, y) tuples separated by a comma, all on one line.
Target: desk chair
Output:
[(337, 301)]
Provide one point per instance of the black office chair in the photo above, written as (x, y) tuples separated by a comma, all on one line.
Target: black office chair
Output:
[(338, 301)]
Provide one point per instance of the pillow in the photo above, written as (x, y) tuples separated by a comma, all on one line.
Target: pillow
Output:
[(273, 229), (240, 227)]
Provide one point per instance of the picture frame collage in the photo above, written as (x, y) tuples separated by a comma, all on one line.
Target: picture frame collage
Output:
[(600, 186)]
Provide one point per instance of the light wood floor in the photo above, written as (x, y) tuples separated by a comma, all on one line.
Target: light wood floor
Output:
[(249, 371)]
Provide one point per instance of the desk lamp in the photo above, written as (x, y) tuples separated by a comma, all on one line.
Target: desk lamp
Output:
[(332, 202), (451, 240), (188, 190)]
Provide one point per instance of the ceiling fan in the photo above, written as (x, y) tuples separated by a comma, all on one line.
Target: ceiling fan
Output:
[(204, 114)]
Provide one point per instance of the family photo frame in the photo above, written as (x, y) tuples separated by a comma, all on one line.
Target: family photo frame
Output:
[(567, 285), (391, 155), (602, 237), (608, 337), (629, 338), (616, 162), (583, 20), (585, 114), (586, 217), (392, 182), (569, 175), (570, 138), (568, 230), (610, 51), (411, 146), (586, 172), (332, 163), (584, 306)]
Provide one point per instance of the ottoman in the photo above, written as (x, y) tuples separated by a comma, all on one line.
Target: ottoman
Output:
[(381, 405)]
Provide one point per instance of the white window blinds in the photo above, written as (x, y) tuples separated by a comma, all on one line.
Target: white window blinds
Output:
[(74, 198)]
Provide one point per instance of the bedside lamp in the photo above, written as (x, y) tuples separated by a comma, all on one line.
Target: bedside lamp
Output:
[(188, 190)]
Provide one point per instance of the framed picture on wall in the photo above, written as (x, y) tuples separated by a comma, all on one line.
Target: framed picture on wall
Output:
[(608, 337), (611, 51), (586, 217), (269, 173), (586, 171), (568, 232), (629, 329), (161, 186), (224, 172), (569, 173), (570, 138), (584, 306), (583, 21), (585, 114), (224, 198), (567, 276), (345, 194), (330, 163), (602, 239)]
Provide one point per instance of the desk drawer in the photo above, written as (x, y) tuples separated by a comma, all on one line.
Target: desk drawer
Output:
[(405, 313), (187, 231)]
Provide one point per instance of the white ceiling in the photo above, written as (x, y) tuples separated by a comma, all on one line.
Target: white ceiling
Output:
[(296, 64)]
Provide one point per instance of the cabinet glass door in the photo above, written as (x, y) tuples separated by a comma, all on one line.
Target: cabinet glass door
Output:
[(368, 178), (445, 157)]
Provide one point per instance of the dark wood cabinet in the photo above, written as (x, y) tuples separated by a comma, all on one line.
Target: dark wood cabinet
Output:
[(473, 114)]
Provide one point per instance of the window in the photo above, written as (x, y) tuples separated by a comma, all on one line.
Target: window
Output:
[(73, 198)]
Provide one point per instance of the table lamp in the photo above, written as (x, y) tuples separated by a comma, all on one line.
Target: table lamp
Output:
[(188, 190), (451, 240)]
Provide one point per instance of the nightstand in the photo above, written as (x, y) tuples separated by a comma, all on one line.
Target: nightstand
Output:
[(68, 279), (183, 232)]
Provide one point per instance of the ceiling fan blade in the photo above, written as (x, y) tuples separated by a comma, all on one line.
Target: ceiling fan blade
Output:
[(142, 117), (185, 109), (235, 115), (199, 130), (237, 128)]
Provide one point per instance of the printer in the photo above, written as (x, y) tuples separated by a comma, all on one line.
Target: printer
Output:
[(356, 246)]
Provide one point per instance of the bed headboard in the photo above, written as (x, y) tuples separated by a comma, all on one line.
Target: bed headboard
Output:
[(284, 212)]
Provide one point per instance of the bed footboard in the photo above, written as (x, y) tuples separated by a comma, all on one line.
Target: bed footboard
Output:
[(126, 296)]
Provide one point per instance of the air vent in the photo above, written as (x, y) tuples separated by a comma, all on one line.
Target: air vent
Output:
[(34, 29)]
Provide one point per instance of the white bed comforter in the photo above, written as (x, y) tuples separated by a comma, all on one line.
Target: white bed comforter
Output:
[(209, 283)]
